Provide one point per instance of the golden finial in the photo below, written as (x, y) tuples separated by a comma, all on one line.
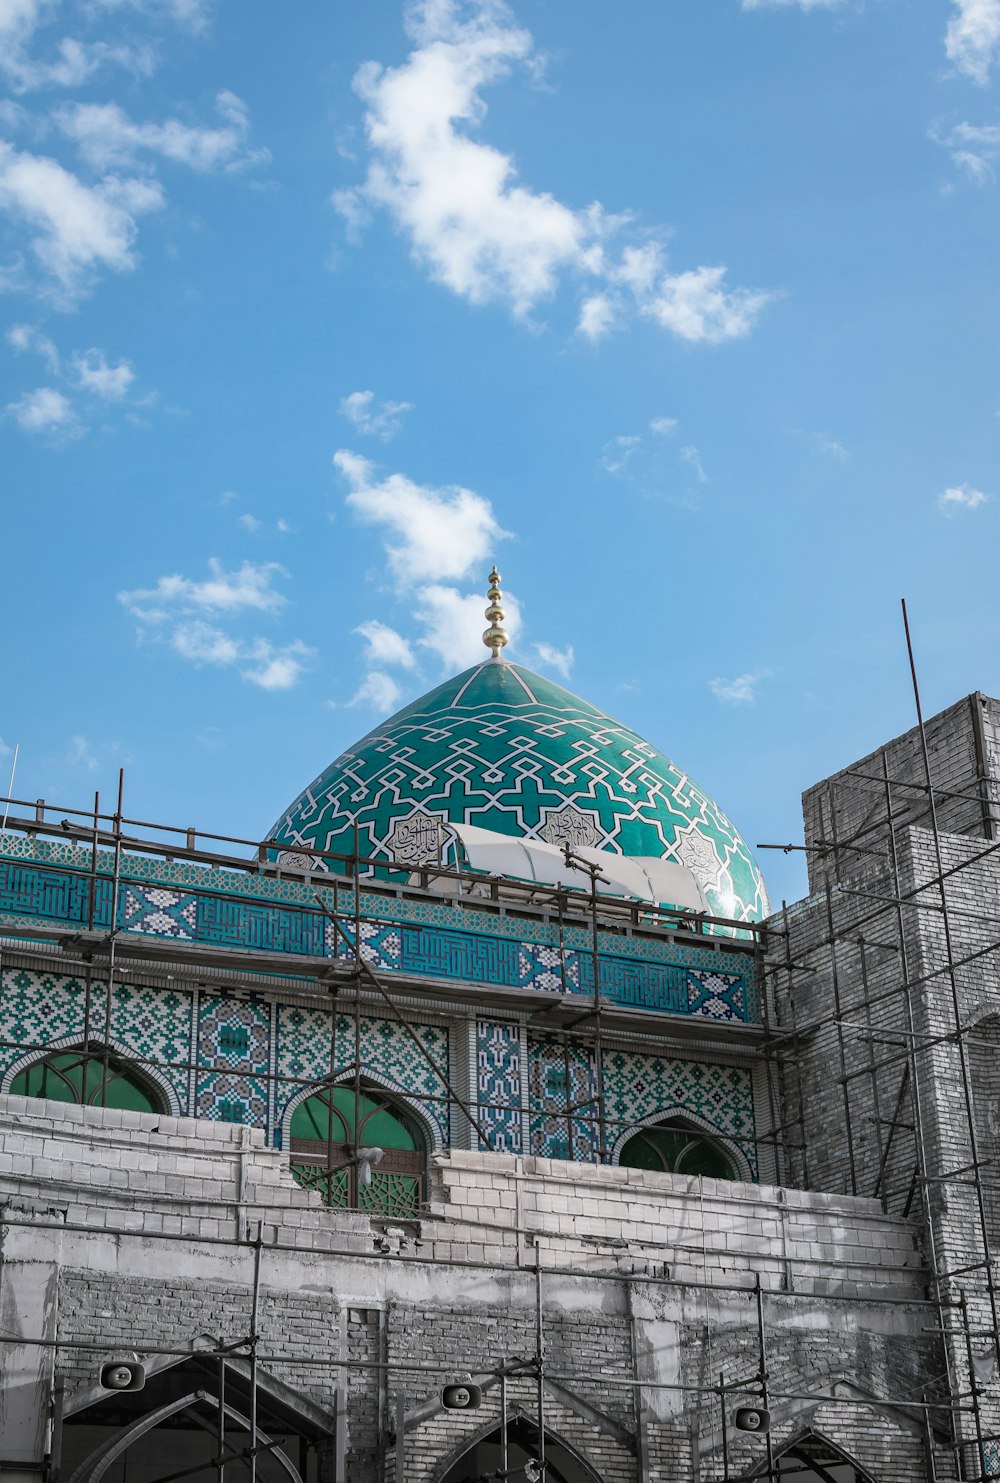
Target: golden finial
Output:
[(495, 637)]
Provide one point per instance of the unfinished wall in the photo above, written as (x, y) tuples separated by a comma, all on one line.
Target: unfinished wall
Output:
[(647, 1286)]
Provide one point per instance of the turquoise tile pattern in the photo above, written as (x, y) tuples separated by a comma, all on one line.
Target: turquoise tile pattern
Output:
[(498, 1082), (154, 1026), (505, 749), (388, 1056), (51, 883), (234, 1058)]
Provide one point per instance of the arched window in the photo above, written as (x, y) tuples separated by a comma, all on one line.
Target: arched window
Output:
[(672, 1148), (812, 1459), (485, 1457), (328, 1129), (89, 1076)]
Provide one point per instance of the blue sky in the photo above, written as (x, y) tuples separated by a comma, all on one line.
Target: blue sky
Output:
[(686, 314)]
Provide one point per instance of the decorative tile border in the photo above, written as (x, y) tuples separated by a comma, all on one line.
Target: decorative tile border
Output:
[(420, 939), (153, 1025), (498, 1084)]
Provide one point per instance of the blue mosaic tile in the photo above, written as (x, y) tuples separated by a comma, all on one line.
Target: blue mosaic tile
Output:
[(720, 996), (233, 1061), (158, 911), (151, 1026), (388, 1056), (498, 1079), (419, 938), (562, 1087)]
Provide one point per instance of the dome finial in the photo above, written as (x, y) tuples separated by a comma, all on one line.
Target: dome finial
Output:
[(495, 637)]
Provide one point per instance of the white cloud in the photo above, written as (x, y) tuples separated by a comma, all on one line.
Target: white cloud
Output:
[(248, 588), (192, 14), (440, 533), (45, 411), (691, 456), (283, 528), (741, 691), (80, 754), (972, 40), (272, 667), (597, 316), (561, 660), (961, 497), (974, 148), (697, 306), (377, 692), (107, 138), (80, 229), (453, 624), (654, 466), (202, 644), (176, 612), (74, 62), (616, 452), (27, 337), (276, 667), (379, 421), (249, 523), (473, 226), (383, 645), (93, 374)]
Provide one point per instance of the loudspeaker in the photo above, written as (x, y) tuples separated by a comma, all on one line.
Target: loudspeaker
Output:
[(752, 1419), (462, 1397), (123, 1374)]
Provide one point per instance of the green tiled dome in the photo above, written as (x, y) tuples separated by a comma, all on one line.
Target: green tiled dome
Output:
[(503, 748)]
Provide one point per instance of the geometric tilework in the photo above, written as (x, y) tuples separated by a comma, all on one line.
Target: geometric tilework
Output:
[(720, 996), (159, 912), (543, 967), (640, 1087), (153, 1025), (498, 1079), (233, 1056), (637, 1088), (510, 751), (991, 1459), (562, 1079), (388, 1057), (412, 937), (381, 946)]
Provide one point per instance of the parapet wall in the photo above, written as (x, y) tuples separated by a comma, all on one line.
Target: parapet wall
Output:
[(102, 1168)]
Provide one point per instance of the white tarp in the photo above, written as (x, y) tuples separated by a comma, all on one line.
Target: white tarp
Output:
[(644, 877)]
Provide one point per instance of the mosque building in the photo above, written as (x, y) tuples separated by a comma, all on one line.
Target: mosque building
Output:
[(482, 1120)]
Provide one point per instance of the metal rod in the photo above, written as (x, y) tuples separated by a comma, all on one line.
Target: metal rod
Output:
[(540, 1352), (367, 971), (953, 984), (254, 1342)]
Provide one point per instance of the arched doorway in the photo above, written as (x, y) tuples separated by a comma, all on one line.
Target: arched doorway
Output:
[(327, 1130), (676, 1147), (91, 1076), (485, 1457), (812, 1459), (191, 1413)]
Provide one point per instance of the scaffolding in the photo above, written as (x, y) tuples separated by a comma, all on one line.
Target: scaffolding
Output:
[(858, 986)]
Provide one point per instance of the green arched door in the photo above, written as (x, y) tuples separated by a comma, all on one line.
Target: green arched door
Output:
[(327, 1130), (91, 1077), (672, 1148)]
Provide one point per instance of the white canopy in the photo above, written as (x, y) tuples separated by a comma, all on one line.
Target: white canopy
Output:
[(644, 877)]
